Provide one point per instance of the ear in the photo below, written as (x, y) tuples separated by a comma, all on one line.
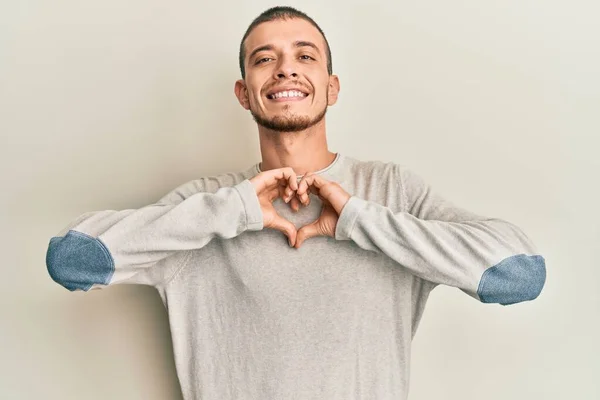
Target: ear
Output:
[(241, 92), (334, 89)]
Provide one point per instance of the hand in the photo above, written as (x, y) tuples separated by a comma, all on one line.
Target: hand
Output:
[(333, 197), (270, 185)]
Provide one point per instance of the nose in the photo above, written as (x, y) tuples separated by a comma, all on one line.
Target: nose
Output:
[(285, 69)]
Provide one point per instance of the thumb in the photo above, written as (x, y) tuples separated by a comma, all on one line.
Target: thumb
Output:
[(307, 232), (285, 226)]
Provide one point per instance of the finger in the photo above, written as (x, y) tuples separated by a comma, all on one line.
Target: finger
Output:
[(307, 232), (304, 183), (295, 203), (293, 180), (290, 186), (303, 188), (285, 226), (272, 193), (284, 183), (311, 180), (275, 175), (290, 192), (317, 181), (283, 192), (287, 177), (286, 192), (304, 198)]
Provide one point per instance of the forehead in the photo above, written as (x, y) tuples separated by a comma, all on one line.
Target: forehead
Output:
[(283, 33)]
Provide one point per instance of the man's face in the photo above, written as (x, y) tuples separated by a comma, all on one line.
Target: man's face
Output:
[(287, 86)]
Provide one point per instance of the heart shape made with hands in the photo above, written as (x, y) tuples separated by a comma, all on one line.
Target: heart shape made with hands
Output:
[(331, 194)]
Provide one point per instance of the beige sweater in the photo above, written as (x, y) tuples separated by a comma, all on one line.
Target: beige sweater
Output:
[(252, 318)]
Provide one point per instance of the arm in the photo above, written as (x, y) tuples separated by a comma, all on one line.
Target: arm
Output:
[(490, 259), (105, 247)]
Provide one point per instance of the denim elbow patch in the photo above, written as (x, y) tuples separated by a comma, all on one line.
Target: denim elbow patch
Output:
[(515, 279), (78, 261)]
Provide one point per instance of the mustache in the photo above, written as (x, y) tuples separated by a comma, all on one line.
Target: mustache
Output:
[(288, 83)]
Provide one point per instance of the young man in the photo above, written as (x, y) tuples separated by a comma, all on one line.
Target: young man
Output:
[(324, 304)]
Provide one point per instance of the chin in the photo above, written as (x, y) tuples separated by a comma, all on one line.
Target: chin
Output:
[(286, 122)]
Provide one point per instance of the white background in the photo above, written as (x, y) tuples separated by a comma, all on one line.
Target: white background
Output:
[(111, 104)]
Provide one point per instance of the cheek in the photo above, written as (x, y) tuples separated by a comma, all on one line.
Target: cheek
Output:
[(253, 97), (323, 93)]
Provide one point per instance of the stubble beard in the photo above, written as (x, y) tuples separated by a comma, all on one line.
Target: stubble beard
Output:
[(288, 122)]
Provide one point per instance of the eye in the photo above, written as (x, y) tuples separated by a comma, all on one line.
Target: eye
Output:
[(260, 61), (306, 57)]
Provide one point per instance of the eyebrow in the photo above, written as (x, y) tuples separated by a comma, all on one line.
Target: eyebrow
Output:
[(307, 44), (299, 43)]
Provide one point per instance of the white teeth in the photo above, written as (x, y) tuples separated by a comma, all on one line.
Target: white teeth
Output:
[(287, 93)]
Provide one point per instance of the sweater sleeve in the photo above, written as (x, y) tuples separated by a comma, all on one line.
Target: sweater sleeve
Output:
[(490, 259), (102, 248)]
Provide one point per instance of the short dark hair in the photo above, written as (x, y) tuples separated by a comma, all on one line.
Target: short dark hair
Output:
[(281, 13)]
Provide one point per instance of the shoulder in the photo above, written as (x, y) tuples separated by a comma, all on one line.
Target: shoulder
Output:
[(206, 184), (372, 169), (376, 180)]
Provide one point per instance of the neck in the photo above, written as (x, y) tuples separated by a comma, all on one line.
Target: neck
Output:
[(304, 151)]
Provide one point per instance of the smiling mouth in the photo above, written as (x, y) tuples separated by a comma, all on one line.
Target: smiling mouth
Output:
[(287, 95)]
